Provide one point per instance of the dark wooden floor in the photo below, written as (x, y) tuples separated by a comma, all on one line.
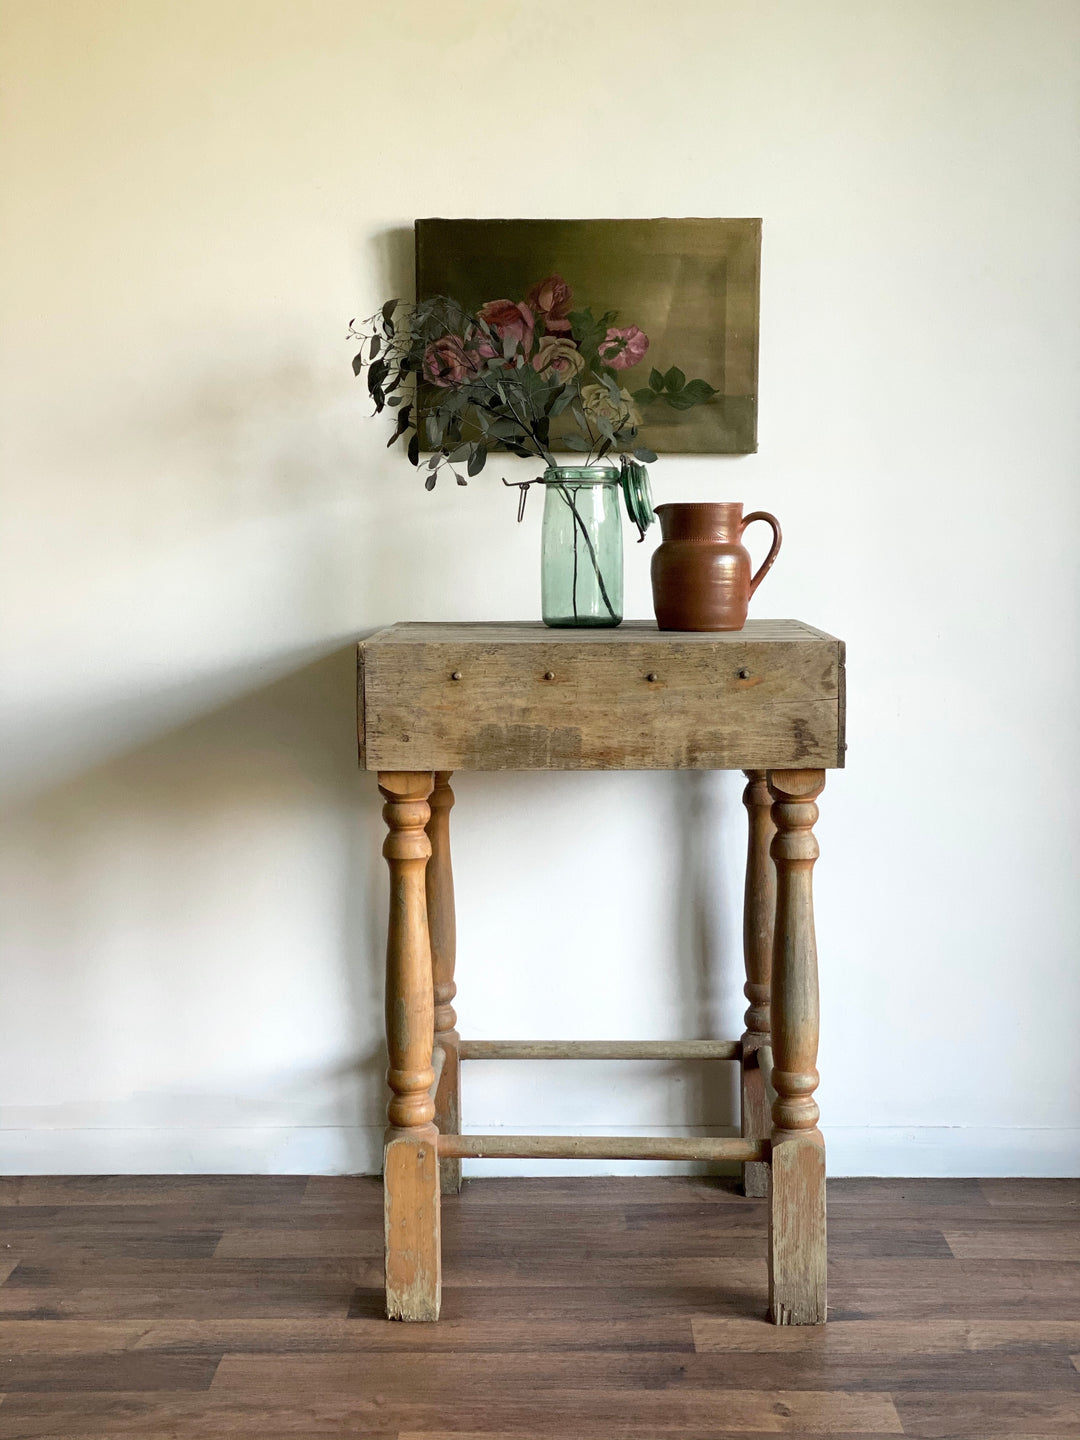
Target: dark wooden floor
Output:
[(584, 1309)]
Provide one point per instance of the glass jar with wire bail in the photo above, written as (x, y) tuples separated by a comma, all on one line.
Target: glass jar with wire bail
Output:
[(581, 557)]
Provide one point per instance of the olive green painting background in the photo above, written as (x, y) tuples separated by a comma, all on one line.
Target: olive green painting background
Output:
[(691, 285)]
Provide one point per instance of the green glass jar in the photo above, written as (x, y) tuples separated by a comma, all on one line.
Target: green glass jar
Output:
[(581, 564)]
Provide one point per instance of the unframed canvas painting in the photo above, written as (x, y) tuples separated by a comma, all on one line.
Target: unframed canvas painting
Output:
[(691, 286)]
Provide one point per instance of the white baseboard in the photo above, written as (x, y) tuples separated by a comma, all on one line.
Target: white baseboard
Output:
[(357, 1150)]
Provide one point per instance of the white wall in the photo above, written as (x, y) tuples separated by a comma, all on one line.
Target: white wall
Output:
[(199, 520)]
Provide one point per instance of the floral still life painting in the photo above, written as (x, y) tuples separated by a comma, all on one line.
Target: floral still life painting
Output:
[(681, 295)]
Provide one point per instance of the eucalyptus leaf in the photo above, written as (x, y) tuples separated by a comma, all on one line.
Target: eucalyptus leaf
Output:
[(562, 400), (429, 483), (414, 449), (477, 458), (644, 454), (376, 345), (388, 310), (575, 442), (358, 363)]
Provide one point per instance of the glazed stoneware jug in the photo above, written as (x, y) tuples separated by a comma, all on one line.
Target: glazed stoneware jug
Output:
[(701, 569)]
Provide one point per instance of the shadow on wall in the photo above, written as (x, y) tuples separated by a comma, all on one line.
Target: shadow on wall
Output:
[(197, 929), (225, 869)]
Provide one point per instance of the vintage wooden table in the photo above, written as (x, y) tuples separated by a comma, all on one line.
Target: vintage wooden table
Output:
[(768, 700)]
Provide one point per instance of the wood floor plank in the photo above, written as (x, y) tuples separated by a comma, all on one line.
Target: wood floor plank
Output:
[(146, 1189), (127, 1371), (1007, 1193), (1043, 1243), (177, 1416), (892, 1338), (301, 1243), (576, 1191), (634, 1397), (571, 1417), (913, 1194), (114, 1243), (943, 1415), (324, 1336), (398, 1377)]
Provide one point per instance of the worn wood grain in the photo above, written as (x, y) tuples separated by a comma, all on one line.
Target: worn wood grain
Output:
[(513, 698), (442, 928), (600, 1050), (759, 914), (609, 1147), (797, 1240), (410, 1161)]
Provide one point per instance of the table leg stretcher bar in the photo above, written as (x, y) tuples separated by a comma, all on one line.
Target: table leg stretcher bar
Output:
[(599, 1147), (600, 1050)]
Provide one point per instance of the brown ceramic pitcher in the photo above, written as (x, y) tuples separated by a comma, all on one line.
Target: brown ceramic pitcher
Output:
[(701, 569)]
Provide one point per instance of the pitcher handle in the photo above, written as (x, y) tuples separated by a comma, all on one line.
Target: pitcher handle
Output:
[(774, 549)]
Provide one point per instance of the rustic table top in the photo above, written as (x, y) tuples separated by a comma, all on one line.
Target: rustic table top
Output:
[(523, 696)]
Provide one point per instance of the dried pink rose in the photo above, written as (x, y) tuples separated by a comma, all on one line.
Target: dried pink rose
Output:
[(508, 319), (622, 349)]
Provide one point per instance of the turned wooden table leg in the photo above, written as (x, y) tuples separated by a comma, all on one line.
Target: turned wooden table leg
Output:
[(442, 926), (411, 1166), (759, 912), (797, 1204)]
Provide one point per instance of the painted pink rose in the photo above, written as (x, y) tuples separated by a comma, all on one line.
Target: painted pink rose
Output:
[(622, 349), (508, 319), (447, 362), (551, 300), (480, 346)]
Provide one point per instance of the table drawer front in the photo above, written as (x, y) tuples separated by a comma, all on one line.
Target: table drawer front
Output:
[(585, 706)]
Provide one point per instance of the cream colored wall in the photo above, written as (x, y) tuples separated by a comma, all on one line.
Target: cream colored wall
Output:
[(199, 519)]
